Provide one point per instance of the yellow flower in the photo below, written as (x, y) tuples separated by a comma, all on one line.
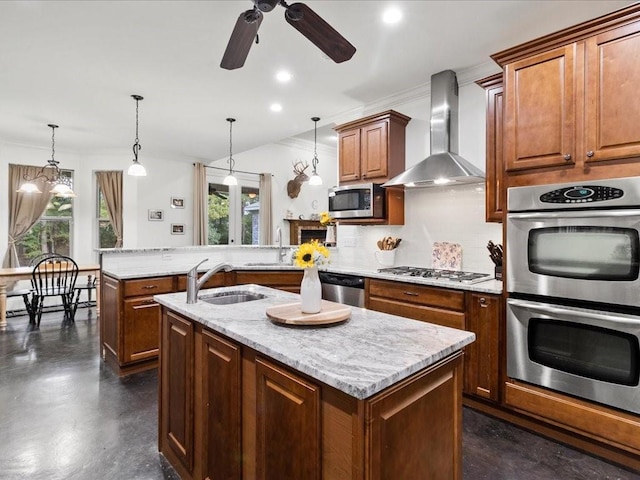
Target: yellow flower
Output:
[(325, 219), (310, 254)]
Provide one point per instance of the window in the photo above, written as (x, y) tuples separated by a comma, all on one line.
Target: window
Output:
[(106, 235), (234, 213), (51, 233)]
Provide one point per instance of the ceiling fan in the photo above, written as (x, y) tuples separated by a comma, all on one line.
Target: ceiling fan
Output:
[(300, 17)]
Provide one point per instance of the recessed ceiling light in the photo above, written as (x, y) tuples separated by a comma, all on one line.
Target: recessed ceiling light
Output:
[(391, 15), (283, 76), (276, 107)]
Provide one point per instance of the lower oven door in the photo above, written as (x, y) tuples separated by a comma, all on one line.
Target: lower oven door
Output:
[(587, 353)]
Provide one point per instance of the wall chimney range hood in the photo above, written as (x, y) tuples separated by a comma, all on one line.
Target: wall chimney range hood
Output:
[(444, 165)]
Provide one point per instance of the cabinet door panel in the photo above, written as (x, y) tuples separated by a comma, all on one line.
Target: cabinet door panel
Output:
[(288, 425), (221, 408), (177, 388), (540, 110), (482, 356), (349, 146), (612, 107), (375, 150), (141, 329)]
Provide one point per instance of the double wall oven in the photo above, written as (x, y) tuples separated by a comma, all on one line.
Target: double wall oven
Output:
[(573, 312)]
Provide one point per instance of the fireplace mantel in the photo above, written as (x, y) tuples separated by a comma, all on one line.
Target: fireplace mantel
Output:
[(301, 231)]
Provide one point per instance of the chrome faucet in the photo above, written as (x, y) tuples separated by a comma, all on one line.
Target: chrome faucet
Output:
[(281, 253), (194, 285)]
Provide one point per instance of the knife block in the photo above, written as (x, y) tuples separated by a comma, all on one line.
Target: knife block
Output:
[(498, 272)]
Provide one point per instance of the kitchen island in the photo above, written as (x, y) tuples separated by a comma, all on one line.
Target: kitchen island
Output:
[(378, 396)]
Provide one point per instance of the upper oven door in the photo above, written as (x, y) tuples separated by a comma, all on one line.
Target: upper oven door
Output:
[(585, 255)]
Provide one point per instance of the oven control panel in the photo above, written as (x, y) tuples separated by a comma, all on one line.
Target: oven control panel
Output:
[(581, 194)]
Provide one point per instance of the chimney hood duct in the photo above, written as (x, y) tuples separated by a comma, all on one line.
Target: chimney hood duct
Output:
[(444, 165)]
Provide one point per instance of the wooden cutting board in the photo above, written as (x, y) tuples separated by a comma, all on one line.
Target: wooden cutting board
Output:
[(291, 314)]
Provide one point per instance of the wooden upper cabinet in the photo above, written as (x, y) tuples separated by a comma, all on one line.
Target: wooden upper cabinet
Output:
[(372, 149), (349, 148), (539, 128), (612, 103), (494, 162), (571, 107)]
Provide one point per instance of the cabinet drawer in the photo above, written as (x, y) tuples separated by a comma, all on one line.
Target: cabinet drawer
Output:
[(148, 286), (417, 294), (270, 279), (439, 316)]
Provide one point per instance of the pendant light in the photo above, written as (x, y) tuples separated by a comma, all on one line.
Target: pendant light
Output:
[(136, 169), (315, 179), (50, 173), (230, 179)]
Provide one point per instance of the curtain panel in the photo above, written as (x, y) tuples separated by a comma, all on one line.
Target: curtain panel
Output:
[(110, 183)]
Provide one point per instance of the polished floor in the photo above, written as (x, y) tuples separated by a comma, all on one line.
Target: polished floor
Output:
[(65, 415)]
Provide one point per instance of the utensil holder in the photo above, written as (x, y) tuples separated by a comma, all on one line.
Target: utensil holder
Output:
[(386, 258)]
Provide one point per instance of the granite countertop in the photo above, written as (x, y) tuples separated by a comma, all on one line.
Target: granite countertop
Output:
[(362, 356), (123, 273)]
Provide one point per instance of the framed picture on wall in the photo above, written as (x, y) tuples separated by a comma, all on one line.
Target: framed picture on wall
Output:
[(177, 202), (177, 228), (156, 215)]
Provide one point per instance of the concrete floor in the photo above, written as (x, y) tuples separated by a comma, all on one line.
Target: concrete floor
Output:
[(65, 415)]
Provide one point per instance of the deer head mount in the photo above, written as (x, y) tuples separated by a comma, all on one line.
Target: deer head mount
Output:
[(293, 186)]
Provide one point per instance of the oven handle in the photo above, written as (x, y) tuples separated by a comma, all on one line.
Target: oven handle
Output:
[(550, 309), (577, 214)]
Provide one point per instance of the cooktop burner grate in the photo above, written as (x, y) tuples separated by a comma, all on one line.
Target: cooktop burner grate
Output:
[(435, 274)]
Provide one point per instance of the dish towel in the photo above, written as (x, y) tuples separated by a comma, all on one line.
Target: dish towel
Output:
[(446, 256)]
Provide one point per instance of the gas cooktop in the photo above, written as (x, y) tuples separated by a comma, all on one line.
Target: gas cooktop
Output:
[(434, 274)]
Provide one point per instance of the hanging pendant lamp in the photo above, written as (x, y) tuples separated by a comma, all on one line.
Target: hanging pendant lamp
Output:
[(136, 169), (61, 185), (315, 180), (230, 179)]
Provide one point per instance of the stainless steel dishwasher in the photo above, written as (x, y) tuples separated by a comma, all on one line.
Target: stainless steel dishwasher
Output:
[(342, 288)]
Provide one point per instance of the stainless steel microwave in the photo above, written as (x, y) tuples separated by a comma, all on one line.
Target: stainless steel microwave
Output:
[(364, 200)]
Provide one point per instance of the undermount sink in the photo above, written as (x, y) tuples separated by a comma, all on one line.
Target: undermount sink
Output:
[(236, 296)]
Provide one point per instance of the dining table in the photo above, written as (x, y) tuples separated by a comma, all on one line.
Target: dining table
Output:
[(25, 273)]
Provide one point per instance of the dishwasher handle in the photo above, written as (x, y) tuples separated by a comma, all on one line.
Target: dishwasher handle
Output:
[(342, 280)]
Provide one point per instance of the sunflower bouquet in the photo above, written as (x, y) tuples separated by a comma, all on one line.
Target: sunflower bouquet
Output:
[(310, 254), (326, 219)]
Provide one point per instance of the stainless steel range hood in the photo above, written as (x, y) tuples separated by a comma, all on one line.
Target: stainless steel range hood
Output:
[(444, 165)]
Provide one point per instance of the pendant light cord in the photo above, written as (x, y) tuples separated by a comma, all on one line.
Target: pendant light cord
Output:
[(136, 145), (231, 160), (314, 161)]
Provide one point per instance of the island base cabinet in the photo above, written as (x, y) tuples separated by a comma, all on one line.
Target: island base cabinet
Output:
[(228, 412)]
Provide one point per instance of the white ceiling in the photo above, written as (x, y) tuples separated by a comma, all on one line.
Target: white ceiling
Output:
[(76, 63)]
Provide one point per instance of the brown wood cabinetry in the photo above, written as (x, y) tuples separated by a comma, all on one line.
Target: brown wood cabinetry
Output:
[(287, 280), (570, 104), (227, 411), (495, 193), (430, 304), (130, 322), (482, 357), (372, 149)]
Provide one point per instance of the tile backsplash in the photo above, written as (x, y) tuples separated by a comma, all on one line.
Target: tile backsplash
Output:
[(439, 214)]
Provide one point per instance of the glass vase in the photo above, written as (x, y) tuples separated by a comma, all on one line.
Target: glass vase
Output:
[(310, 291)]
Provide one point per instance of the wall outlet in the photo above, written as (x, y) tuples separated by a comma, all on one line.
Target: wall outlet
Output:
[(350, 242)]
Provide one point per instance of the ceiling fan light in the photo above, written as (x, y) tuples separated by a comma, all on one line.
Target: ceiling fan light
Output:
[(230, 180), (136, 169)]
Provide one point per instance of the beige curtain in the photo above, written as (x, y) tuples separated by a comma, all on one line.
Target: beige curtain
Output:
[(200, 204), (24, 208), (110, 184), (266, 215)]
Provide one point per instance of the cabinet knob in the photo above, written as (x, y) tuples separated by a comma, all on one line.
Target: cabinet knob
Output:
[(482, 300), (567, 157), (590, 153)]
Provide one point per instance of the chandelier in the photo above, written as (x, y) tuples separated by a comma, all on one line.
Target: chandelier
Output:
[(61, 185), (315, 178), (136, 169), (230, 179)]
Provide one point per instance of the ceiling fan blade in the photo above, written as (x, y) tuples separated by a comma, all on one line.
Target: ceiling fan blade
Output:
[(242, 37), (319, 32)]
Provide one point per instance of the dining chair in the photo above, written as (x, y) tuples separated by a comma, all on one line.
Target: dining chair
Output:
[(51, 277), (25, 294), (89, 287)]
